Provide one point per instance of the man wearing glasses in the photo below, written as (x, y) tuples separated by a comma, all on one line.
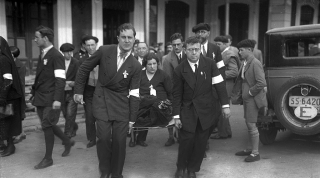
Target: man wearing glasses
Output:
[(170, 62), (194, 80)]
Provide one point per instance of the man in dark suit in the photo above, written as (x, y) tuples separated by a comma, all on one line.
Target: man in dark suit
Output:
[(193, 106), (69, 106), (142, 50), (48, 91), (82, 51), (169, 63), (91, 47), (202, 30), (116, 98)]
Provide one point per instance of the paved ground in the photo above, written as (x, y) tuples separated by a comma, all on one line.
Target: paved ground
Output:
[(290, 156)]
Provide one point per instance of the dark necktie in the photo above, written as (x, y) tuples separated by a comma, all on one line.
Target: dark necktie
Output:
[(195, 70), (204, 53), (179, 58)]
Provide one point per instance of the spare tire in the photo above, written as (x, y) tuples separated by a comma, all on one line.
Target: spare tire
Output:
[(285, 113)]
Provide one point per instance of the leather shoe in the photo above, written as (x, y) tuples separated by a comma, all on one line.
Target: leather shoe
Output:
[(67, 148), (179, 173), (44, 163), (169, 142), (8, 151), (132, 144), (2, 147), (91, 143), (243, 153), (191, 174), (142, 143)]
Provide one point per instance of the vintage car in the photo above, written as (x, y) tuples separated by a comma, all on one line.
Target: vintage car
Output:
[(292, 69)]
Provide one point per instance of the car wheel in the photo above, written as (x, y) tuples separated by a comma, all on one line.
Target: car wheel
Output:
[(267, 136), (286, 114)]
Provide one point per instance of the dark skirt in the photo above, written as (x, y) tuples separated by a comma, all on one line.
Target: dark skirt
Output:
[(12, 125)]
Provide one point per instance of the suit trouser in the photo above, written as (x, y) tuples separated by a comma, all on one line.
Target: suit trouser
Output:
[(111, 154), (69, 111), (142, 135), (90, 119), (192, 147)]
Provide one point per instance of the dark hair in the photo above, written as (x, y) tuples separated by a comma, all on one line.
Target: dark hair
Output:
[(126, 26), (45, 31), (222, 39), (136, 41), (168, 44), (149, 57), (144, 43), (15, 51), (192, 40), (176, 36), (229, 37)]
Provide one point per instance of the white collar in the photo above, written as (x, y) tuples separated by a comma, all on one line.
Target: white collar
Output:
[(227, 48), (192, 64), (45, 50), (118, 52)]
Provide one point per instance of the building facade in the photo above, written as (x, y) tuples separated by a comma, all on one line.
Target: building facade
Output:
[(155, 20)]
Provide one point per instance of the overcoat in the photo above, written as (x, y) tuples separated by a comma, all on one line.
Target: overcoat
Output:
[(170, 62), (193, 98), (111, 99)]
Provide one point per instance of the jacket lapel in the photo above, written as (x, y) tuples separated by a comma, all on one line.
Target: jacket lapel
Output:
[(248, 64), (174, 60), (189, 75), (111, 64), (201, 75)]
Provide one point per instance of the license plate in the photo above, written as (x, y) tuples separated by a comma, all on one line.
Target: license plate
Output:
[(295, 101)]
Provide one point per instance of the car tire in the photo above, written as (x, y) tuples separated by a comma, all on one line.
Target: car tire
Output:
[(285, 113), (267, 136)]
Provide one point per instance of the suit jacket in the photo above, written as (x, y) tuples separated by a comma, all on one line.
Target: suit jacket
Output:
[(50, 79), (170, 62), (80, 54), (258, 55), (72, 70), (254, 75), (232, 64), (111, 96), (213, 52), (193, 98)]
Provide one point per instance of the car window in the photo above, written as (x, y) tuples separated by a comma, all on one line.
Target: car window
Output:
[(302, 47)]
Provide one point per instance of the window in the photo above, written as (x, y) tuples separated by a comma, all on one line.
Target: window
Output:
[(305, 47)]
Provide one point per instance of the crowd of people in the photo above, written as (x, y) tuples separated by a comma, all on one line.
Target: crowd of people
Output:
[(132, 84)]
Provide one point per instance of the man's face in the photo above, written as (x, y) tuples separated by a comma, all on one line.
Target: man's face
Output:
[(126, 40), (68, 55), (193, 52), (91, 46), (203, 34), (244, 53), (169, 48), (39, 40), (177, 45), (221, 45), (142, 50)]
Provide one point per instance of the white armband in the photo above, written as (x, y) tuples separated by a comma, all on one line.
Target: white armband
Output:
[(60, 73), (7, 76), (220, 64), (134, 92), (217, 79)]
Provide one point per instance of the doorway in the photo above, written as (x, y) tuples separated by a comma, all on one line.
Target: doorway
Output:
[(176, 15)]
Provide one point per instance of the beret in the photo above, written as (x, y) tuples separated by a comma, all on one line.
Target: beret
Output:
[(201, 26), (86, 38), (45, 30), (66, 47), (247, 43), (222, 39)]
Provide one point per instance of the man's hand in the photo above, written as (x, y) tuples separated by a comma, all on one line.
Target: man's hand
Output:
[(56, 105), (130, 127), (226, 113), (78, 98), (177, 123)]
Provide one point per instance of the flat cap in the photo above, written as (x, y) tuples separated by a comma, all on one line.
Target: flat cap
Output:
[(201, 26), (247, 43), (45, 30), (66, 47), (222, 39), (86, 38)]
